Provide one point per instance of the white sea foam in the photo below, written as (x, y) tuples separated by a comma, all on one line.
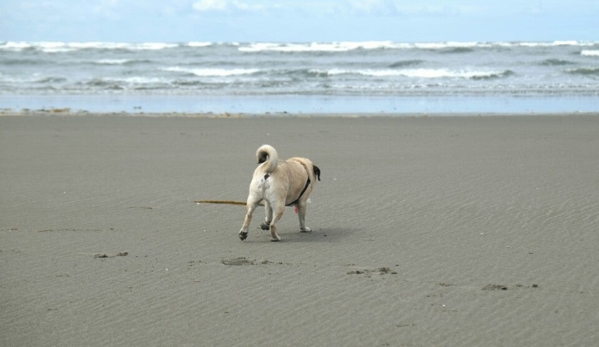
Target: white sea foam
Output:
[(412, 73), (317, 47), (137, 80), (93, 45), (55, 47), (370, 45), (112, 61), (590, 53), (14, 46), (199, 44), (62, 47), (212, 72), (552, 44), (451, 44), (153, 46)]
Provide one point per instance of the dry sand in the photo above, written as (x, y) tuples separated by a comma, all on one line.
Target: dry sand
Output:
[(427, 231)]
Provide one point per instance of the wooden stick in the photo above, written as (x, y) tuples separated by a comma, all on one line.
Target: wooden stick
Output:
[(226, 202)]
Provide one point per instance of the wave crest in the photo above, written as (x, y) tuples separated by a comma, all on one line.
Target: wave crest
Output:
[(590, 53), (417, 73), (585, 71), (211, 72), (405, 63), (555, 62), (66, 47)]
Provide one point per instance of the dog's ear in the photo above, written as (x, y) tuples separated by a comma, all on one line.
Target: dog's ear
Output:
[(316, 170), (262, 157)]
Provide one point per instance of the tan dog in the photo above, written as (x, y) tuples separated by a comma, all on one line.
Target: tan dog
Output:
[(279, 184)]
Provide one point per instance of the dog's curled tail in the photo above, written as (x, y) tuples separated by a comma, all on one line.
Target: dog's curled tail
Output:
[(267, 156)]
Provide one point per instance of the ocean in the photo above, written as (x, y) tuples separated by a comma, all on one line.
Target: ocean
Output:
[(360, 77)]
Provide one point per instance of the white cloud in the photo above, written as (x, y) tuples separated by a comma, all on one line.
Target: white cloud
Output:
[(372, 6), (247, 7), (210, 5), (107, 9), (224, 5)]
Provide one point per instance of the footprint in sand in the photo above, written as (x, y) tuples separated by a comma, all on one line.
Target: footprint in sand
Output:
[(375, 271), (245, 261)]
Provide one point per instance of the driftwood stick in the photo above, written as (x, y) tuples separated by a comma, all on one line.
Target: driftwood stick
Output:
[(224, 202)]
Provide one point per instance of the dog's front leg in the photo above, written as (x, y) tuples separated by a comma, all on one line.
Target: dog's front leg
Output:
[(250, 207), (301, 213), (268, 220)]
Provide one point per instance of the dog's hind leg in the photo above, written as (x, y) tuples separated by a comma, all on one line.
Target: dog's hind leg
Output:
[(278, 213), (250, 207), (268, 220), (301, 213)]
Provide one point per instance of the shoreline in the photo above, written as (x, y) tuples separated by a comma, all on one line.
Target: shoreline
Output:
[(302, 104), (67, 112)]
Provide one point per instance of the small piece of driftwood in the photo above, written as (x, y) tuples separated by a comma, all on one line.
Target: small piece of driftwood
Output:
[(225, 202)]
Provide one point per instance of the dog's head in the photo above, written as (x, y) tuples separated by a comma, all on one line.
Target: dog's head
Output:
[(316, 170)]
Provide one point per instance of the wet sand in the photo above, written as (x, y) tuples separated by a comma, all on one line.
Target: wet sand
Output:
[(427, 231)]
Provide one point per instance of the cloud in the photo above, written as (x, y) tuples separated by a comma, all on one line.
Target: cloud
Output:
[(108, 9), (373, 7), (309, 8), (320, 8), (224, 5), (210, 5)]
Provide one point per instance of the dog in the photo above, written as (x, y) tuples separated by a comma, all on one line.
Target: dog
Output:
[(279, 184)]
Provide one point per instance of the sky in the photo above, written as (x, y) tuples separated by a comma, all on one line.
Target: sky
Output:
[(298, 20)]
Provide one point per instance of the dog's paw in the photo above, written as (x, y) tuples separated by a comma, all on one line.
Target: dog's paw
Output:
[(306, 230), (275, 240), (265, 226), (243, 235)]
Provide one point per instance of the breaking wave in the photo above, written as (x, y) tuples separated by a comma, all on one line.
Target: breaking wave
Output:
[(211, 72), (590, 53), (585, 71), (418, 73)]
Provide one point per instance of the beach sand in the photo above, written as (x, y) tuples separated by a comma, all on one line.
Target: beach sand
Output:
[(427, 231)]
